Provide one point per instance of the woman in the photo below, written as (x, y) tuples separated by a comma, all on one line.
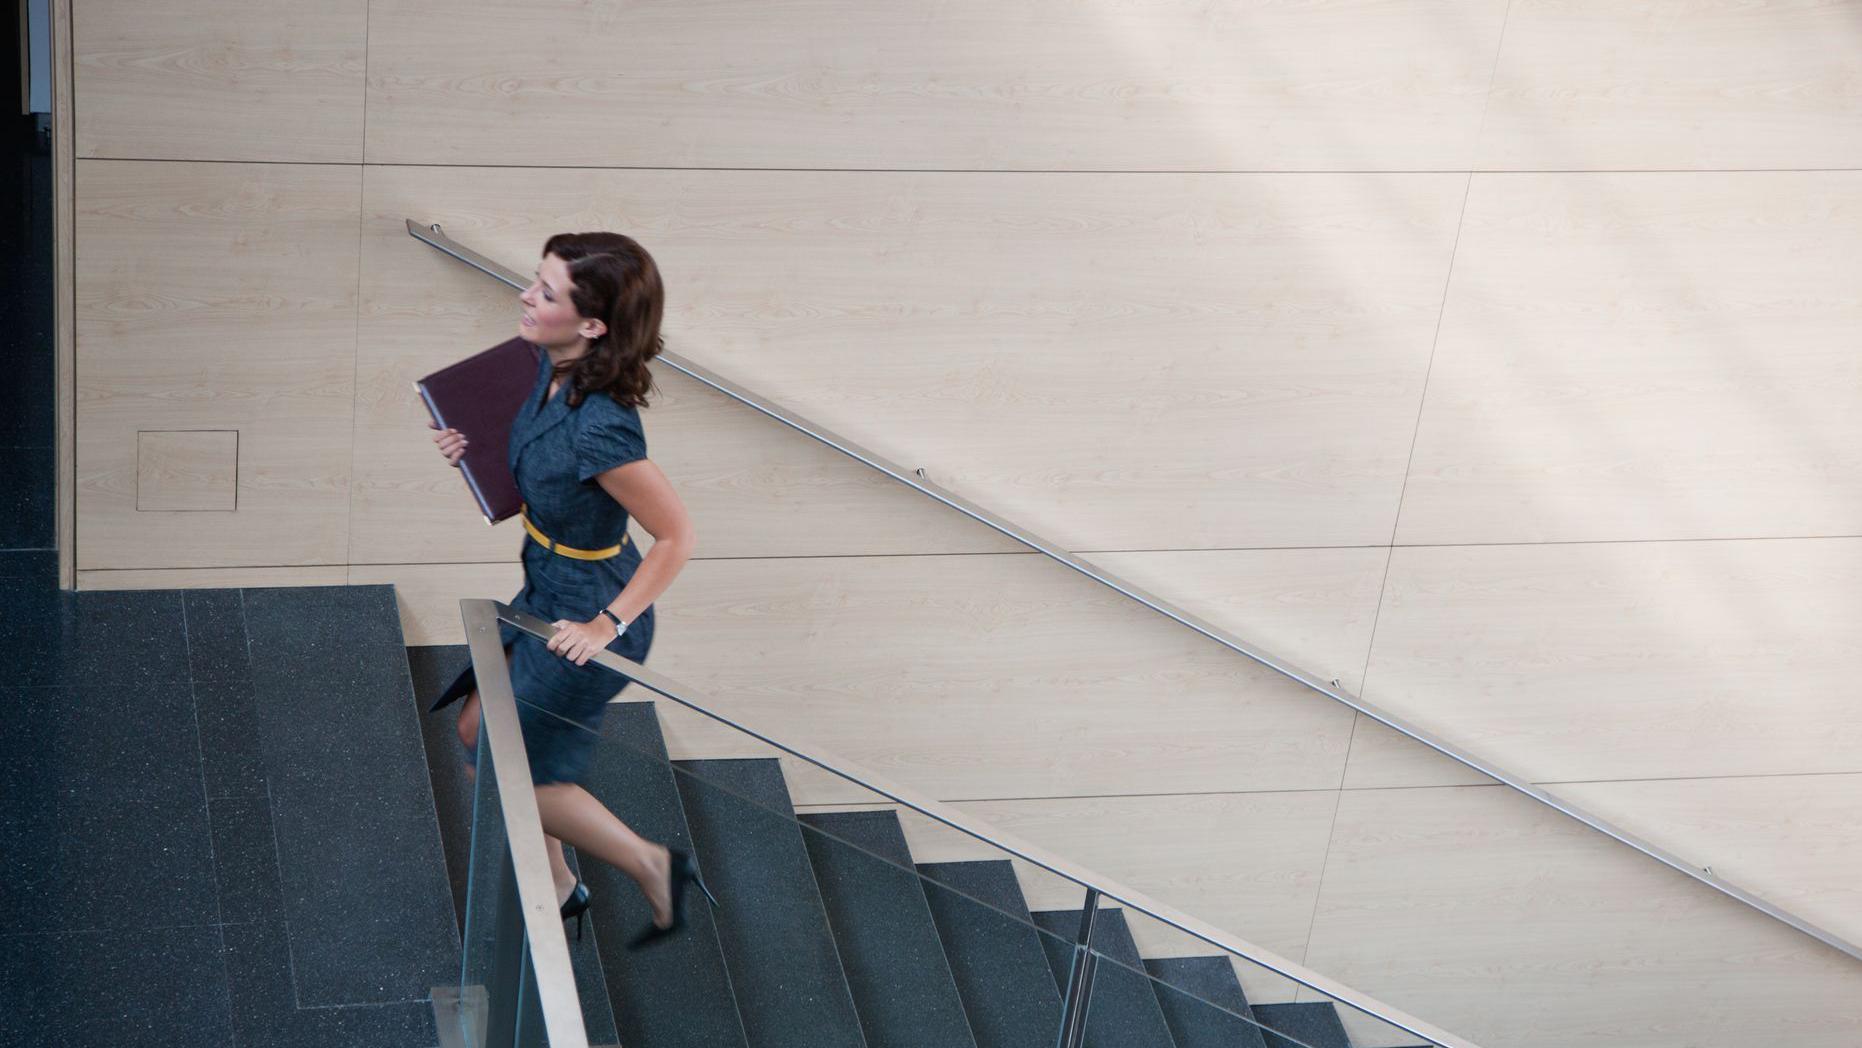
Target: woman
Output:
[(579, 455)]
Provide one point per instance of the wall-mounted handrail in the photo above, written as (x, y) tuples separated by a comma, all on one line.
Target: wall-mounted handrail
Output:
[(479, 611), (432, 235)]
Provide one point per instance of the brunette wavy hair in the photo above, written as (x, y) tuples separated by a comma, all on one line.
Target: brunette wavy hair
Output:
[(615, 281)]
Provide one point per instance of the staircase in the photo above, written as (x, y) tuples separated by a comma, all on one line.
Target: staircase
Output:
[(830, 935), (238, 827)]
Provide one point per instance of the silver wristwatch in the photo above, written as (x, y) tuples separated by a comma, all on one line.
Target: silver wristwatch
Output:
[(620, 627)]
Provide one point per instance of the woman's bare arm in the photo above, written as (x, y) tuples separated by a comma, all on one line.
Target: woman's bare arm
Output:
[(648, 497)]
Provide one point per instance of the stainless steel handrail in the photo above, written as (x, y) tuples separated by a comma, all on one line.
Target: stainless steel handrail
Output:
[(478, 610), (433, 236), (536, 886)]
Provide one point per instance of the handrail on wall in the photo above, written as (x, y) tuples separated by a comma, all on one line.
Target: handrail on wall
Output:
[(432, 235), (482, 617)]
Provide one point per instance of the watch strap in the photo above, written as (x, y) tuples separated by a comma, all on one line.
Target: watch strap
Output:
[(619, 626)]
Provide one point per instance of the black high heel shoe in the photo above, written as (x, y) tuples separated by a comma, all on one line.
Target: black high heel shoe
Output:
[(575, 906), (682, 870)]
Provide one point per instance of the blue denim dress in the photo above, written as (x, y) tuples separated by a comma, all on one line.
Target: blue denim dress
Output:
[(556, 452)]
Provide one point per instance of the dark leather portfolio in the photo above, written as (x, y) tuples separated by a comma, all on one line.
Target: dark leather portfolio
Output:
[(480, 397)]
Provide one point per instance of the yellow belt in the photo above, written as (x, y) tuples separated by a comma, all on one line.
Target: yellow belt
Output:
[(568, 551)]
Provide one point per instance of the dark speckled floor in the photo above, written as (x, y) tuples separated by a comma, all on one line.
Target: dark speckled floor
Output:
[(167, 868)]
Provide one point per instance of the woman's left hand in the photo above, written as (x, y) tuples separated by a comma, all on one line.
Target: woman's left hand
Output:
[(579, 641)]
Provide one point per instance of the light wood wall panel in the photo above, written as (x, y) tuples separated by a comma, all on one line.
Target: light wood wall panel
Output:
[(981, 677), (1646, 356), (1312, 608), (187, 470), (1042, 85), (1239, 861), (211, 578), (1384, 758), (1651, 84), (1629, 660), (1117, 361), (1516, 927), (429, 594), (268, 80), (1795, 840), (754, 487), (217, 296)]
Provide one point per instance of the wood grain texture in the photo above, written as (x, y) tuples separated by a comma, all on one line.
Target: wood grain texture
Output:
[(1628, 660), (1646, 356), (1384, 758), (1248, 862), (264, 80), (975, 677), (64, 311), (1116, 361), (756, 488), (1653, 84), (187, 470), (1311, 608), (429, 594), (1795, 840), (217, 296), (1515, 926), (1046, 85), (211, 578)]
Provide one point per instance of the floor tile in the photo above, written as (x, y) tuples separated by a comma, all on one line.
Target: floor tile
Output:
[(151, 988), (231, 761), (105, 823), (216, 635), (266, 1014), (245, 859), (371, 921), (311, 633), (26, 497), (38, 564), (122, 638)]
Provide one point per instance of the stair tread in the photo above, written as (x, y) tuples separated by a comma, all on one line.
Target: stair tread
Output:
[(1124, 1011), (1314, 1024), (371, 922), (1211, 1011), (995, 957), (678, 992), (433, 668), (784, 967), (889, 948)]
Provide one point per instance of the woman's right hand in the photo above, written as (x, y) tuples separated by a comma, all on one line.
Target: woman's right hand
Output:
[(452, 443)]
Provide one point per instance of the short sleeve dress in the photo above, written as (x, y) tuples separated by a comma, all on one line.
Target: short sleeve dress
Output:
[(556, 453)]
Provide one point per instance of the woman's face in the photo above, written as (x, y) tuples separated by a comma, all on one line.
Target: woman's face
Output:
[(549, 317)]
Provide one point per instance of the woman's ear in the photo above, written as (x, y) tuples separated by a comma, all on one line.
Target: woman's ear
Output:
[(593, 329)]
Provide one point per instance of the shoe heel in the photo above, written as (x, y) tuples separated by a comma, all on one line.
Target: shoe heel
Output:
[(578, 927)]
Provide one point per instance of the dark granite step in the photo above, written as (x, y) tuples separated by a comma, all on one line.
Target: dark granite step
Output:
[(1314, 1024), (679, 991), (995, 954), (365, 899), (1124, 1011), (889, 948), (1203, 1002), (791, 992), (433, 668)]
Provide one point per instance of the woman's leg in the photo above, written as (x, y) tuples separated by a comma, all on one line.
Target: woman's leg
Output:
[(468, 735), (570, 813), (468, 723)]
